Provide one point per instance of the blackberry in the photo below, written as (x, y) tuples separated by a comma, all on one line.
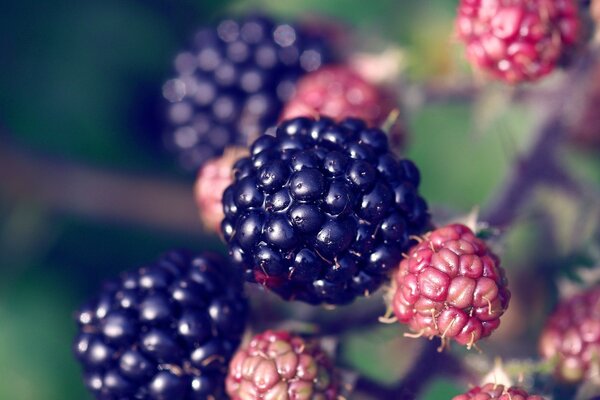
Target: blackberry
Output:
[(494, 391), (518, 41), (571, 337), (164, 331), (281, 365), (450, 285), (322, 211), (230, 86)]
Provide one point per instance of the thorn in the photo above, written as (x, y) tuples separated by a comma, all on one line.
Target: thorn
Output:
[(414, 335), (388, 317), (387, 320), (489, 305), (419, 239), (471, 342), (207, 361), (442, 346), (391, 120), (447, 328)]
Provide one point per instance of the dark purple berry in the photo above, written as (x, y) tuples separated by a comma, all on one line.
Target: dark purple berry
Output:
[(164, 331), (323, 212), (232, 83)]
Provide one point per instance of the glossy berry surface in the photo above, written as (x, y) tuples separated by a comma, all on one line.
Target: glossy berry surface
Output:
[(338, 92), (452, 286), (520, 40), (230, 86), (212, 180), (164, 331), (492, 391), (572, 336), (280, 365), (323, 211)]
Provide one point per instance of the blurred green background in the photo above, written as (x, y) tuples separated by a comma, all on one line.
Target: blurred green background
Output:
[(79, 101)]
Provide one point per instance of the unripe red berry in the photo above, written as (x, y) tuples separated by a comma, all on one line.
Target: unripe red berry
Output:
[(280, 365), (339, 92), (520, 40), (212, 180), (571, 337), (492, 391), (452, 286)]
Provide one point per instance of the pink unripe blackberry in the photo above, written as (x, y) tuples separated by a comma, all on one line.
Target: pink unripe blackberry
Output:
[(212, 180), (517, 40), (339, 92), (281, 365), (450, 285), (492, 391), (571, 337)]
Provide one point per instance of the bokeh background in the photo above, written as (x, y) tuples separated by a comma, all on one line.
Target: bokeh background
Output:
[(86, 191)]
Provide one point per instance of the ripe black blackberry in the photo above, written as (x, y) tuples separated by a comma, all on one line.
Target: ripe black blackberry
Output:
[(164, 331), (322, 211), (231, 85)]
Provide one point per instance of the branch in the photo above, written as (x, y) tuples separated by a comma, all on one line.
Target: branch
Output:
[(540, 165), (69, 187), (426, 366)]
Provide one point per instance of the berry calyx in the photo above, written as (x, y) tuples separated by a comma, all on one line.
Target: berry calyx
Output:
[(322, 211), (517, 41), (164, 331), (571, 337), (492, 391), (281, 365), (450, 285)]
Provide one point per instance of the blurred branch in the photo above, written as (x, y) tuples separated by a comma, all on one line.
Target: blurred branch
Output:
[(426, 366), (69, 187), (540, 165)]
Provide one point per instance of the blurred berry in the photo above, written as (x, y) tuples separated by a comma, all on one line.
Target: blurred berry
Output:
[(280, 365), (164, 331), (339, 92), (571, 337), (492, 391), (518, 41), (231, 85)]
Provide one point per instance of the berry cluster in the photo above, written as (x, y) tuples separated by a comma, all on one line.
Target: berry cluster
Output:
[(519, 40), (492, 391), (164, 331), (451, 285), (322, 211), (572, 337), (278, 365), (317, 209), (231, 85)]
